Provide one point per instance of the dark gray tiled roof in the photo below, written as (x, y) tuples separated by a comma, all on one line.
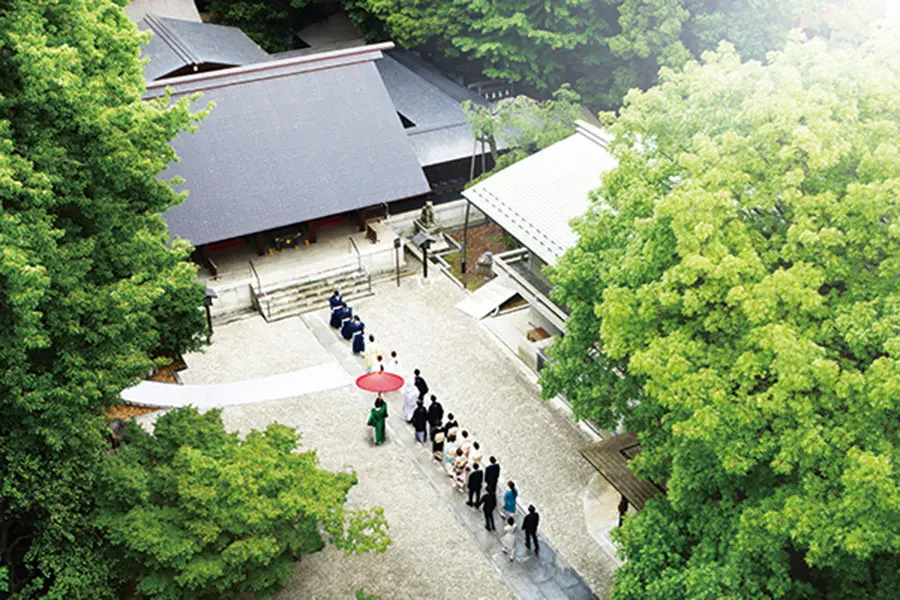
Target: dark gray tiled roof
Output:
[(432, 102), (288, 141), (176, 44)]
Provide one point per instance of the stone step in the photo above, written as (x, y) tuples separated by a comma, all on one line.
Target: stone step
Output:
[(285, 311), (333, 278), (321, 291), (320, 287), (233, 316)]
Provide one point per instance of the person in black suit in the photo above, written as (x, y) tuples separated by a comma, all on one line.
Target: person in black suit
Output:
[(488, 503), (420, 420), (529, 526), (435, 416), (491, 475), (420, 384), (474, 485)]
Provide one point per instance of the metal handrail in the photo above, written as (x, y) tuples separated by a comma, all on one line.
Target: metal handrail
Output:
[(256, 274), (358, 254), (260, 294)]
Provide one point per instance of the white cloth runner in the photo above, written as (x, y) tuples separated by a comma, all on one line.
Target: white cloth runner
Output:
[(322, 377)]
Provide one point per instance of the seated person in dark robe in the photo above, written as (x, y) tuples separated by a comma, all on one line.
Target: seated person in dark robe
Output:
[(358, 335), (347, 324)]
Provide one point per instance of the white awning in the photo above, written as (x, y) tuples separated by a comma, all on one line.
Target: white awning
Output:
[(488, 297), (535, 199)]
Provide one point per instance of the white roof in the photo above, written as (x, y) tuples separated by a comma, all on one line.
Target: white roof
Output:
[(184, 10), (535, 199)]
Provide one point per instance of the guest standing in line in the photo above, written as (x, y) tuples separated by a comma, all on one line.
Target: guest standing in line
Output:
[(451, 427), (437, 445), (530, 527), (474, 484), (420, 384), (450, 448), (377, 417), (509, 538), (420, 421), (359, 335), (465, 443), (460, 470), (373, 351), (509, 499), (435, 416), (488, 503), (475, 454), (491, 475)]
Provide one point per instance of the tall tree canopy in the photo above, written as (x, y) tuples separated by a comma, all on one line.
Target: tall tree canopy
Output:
[(90, 290), (521, 125), (603, 47), (193, 512), (735, 299)]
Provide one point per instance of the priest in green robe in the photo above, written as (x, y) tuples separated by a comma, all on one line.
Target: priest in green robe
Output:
[(377, 417)]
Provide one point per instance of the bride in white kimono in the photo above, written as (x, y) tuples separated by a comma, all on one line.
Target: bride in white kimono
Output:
[(410, 392)]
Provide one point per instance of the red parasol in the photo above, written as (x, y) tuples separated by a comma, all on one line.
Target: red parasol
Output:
[(379, 382)]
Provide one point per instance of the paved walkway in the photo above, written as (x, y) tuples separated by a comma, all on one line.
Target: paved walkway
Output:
[(530, 576), (495, 397), (326, 376)]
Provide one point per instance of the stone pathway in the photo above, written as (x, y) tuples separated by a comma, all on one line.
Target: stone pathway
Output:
[(495, 398), (529, 576)]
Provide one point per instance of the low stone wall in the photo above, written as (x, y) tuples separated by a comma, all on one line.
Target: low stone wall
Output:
[(450, 215)]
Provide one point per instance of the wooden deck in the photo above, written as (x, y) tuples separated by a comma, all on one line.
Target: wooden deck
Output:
[(610, 457)]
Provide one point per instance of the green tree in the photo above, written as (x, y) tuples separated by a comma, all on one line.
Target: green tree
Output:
[(605, 47), (270, 23), (739, 269), (86, 276), (194, 512), (521, 125)]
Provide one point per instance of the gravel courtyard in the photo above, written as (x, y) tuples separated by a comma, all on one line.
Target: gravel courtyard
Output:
[(433, 554)]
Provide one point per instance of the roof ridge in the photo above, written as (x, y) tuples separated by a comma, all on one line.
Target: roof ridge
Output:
[(593, 133), (269, 69), (181, 48)]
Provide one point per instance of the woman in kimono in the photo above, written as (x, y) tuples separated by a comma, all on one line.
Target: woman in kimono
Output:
[(347, 323), (460, 470), (377, 417), (437, 445), (358, 335), (373, 353), (337, 313), (450, 447)]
